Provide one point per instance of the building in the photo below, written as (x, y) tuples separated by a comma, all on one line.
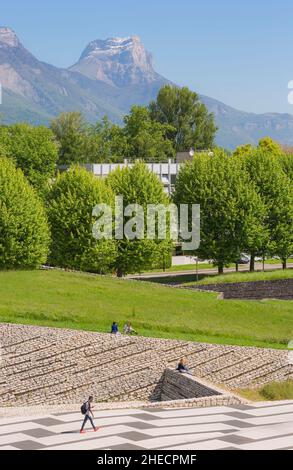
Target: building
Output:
[(167, 172)]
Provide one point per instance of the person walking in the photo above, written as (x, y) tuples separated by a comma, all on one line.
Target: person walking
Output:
[(86, 410)]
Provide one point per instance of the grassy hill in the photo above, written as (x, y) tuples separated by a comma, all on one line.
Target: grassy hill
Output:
[(82, 301), (247, 277)]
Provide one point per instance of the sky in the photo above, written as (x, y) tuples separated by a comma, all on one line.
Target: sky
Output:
[(239, 52)]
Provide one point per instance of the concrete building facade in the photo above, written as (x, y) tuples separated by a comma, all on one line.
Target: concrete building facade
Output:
[(167, 172)]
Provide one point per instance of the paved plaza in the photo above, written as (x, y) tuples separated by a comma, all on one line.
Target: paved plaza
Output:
[(246, 427)]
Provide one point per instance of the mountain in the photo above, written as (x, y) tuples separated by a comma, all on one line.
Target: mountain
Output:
[(36, 91), (110, 76), (239, 127), (119, 62)]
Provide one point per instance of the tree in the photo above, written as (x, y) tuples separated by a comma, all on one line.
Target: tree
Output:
[(24, 233), (231, 211), (193, 126), (70, 132), (140, 186), (140, 138), (33, 149), (275, 188), (106, 142), (267, 144), (243, 150), (286, 160), (147, 139), (71, 201)]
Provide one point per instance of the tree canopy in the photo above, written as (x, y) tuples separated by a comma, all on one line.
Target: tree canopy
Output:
[(33, 150), (70, 202), (193, 126), (231, 211), (24, 233), (138, 185)]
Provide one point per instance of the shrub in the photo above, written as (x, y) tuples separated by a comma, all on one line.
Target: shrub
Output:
[(278, 390)]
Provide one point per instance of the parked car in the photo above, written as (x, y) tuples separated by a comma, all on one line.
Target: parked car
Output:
[(244, 259)]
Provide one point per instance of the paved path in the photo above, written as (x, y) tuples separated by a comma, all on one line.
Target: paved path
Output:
[(265, 426)]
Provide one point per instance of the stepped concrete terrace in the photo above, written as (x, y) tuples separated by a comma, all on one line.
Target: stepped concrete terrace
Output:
[(58, 366)]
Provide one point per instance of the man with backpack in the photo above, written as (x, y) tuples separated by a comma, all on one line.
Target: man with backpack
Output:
[(86, 410)]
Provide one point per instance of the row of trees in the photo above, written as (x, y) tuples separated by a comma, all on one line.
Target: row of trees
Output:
[(246, 206), (245, 197), (176, 121), (58, 228), (246, 203), (70, 203)]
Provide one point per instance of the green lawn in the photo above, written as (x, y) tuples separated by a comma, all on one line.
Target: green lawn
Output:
[(82, 301), (278, 261), (271, 391), (188, 279), (247, 276)]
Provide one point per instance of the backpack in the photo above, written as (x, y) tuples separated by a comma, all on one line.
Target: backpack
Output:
[(84, 408)]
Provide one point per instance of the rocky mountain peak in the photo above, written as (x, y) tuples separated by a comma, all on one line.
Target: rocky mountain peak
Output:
[(8, 37), (111, 46), (117, 61)]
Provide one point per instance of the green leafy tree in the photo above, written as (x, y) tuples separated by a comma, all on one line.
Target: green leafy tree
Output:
[(243, 150), (267, 144), (275, 189), (70, 130), (140, 138), (33, 150), (71, 201), (286, 160), (231, 211), (106, 142), (193, 126), (24, 233), (147, 139), (138, 185)]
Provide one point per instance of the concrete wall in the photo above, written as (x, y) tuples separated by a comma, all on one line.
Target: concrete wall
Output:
[(177, 386), (182, 390)]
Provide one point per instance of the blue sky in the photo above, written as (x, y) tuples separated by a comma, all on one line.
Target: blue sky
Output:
[(238, 52)]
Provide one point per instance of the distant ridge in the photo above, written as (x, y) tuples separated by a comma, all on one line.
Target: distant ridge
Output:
[(110, 76)]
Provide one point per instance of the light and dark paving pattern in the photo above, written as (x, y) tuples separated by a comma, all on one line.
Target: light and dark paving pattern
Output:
[(264, 426)]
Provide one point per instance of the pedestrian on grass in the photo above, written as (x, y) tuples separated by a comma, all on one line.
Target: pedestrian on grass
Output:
[(128, 330), (114, 328)]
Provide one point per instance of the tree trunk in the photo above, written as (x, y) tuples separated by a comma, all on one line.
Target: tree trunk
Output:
[(119, 272), (221, 268), (284, 263), (251, 266), (237, 267)]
